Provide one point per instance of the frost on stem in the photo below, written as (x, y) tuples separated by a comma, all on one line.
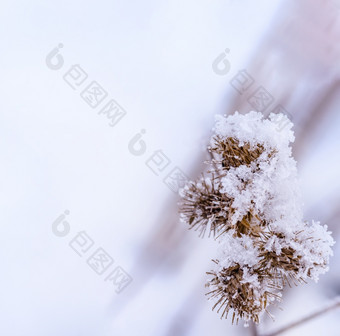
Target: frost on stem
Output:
[(249, 200)]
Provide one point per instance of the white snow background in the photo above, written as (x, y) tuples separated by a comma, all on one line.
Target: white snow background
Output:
[(155, 59)]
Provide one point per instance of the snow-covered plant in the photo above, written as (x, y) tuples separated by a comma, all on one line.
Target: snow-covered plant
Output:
[(249, 200)]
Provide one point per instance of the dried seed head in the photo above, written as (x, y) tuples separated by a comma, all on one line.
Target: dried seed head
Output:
[(231, 153), (204, 207), (239, 290)]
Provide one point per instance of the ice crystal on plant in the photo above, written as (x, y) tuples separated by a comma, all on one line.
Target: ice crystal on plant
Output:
[(249, 200)]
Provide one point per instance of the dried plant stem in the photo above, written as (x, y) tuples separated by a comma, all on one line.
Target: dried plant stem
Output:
[(333, 305), (253, 329)]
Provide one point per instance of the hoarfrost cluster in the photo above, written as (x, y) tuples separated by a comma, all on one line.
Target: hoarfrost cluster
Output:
[(250, 201)]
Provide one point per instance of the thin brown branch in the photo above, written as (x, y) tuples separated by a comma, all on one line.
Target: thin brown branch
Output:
[(331, 306), (253, 329)]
